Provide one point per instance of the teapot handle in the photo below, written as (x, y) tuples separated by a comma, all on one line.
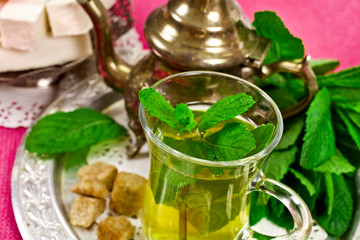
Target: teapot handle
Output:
[(300, 68), (305, 72)]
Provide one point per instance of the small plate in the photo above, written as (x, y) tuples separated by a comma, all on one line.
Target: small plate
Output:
[(42, 77)]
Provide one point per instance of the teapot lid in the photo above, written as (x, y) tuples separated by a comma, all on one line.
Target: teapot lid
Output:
[(203, 34)]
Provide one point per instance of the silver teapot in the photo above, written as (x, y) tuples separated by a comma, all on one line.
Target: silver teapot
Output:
[(190, 35)]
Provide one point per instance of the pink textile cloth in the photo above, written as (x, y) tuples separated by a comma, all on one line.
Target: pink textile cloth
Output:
[(329, 29), (9, 141)]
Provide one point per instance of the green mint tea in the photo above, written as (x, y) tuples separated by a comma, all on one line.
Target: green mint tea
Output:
[(192, 201)]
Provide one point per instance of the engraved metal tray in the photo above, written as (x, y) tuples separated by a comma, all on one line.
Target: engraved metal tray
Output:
[(40, 189)]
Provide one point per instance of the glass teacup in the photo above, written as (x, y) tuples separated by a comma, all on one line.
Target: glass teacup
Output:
[(192, 198)]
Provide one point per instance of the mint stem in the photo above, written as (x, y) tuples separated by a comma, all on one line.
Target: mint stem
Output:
[(182, 221)]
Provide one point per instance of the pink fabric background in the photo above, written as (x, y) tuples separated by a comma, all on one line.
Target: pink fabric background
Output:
[(329, 28)]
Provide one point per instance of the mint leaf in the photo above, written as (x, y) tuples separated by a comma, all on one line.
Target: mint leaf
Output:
[(67, 132), (276, 79), (329, 186), (279, 215), (205, 213), (232, 142), (316, 179), (354, 131), (175, 179), (344, 94), (184, 116), (257, 211), (355, 117), (253, 46), (322, 66), (304, 181), (345, 78), (339, 221), (333, 238), (259, 236), (166, 183), (275, 204), (319, 139), (181, 118), (198, 149), (198, 210), (282, 97), (73, 161), (284, 45), (296, 87), (337, 164), (157, 106), (353, 106), (292, 130), (209, 205), (278, 163), (262, 135), (225, 109)]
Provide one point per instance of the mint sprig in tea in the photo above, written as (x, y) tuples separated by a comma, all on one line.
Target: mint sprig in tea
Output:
[(191, 201)]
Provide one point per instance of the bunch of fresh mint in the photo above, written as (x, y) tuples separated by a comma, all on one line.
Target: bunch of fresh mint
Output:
[(320, 149)]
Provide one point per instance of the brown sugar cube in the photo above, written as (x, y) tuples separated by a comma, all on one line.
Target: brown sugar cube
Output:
[(90, 186), (128, 193), (104, 172), (85, 210), (115, 228)]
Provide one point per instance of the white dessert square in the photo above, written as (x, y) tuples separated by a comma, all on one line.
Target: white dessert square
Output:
[(22, 24), (67, 18)]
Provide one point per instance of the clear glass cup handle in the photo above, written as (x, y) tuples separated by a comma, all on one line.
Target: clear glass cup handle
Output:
[(292, 201)]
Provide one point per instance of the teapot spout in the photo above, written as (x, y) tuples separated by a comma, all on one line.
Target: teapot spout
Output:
[(114, 70)]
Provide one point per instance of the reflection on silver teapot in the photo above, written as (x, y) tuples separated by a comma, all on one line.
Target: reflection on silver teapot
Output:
[(190, 35)]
